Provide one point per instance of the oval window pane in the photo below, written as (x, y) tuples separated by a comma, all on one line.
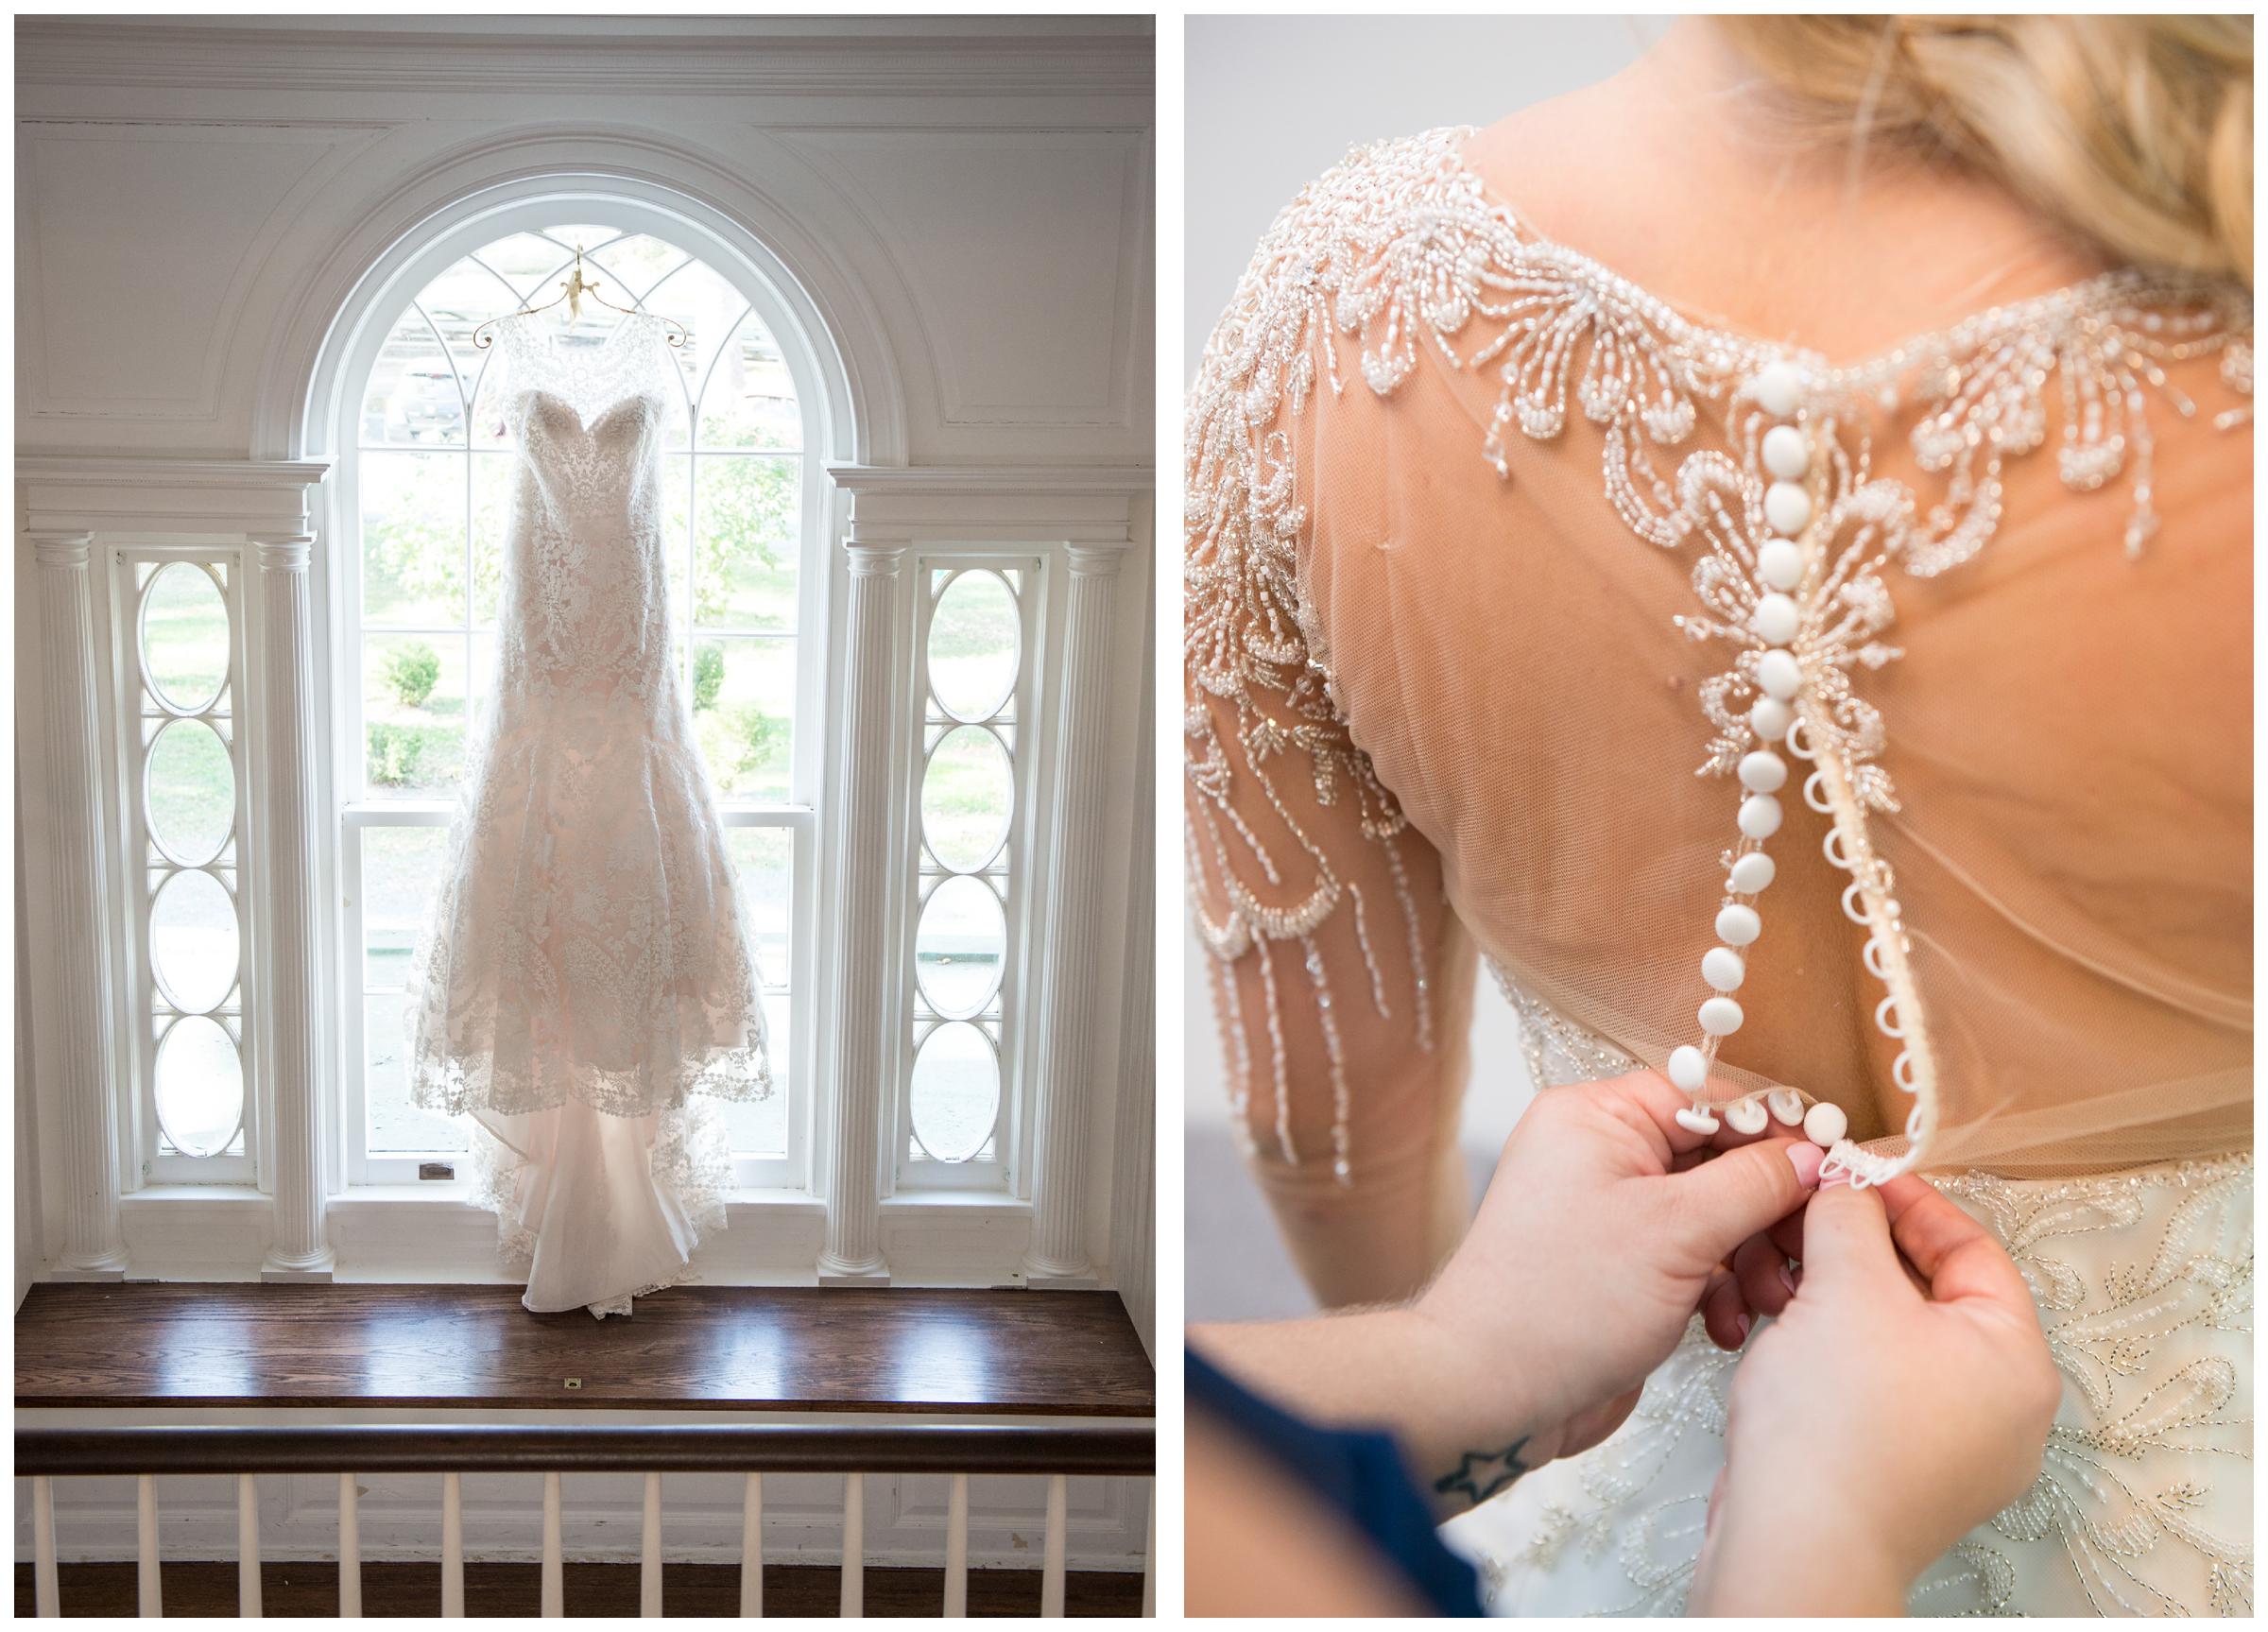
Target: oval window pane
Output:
[(190, 792), (199, 1086), (975, 637), (186, 637), (958, 947), (967, 791), (955, 1092), (193, 941)]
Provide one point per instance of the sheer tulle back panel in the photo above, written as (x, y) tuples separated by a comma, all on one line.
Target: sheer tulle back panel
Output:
[(1497, 660)]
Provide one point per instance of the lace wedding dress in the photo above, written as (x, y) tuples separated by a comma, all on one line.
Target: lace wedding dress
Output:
[(1489, 550), (586, 991)]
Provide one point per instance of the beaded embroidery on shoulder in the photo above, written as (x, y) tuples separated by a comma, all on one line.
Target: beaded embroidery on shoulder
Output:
[(1400, 249)]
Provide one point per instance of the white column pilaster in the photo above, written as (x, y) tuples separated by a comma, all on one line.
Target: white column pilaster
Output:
[(853, 1247), (298, 1250), (72, 941), (1057, 1254)]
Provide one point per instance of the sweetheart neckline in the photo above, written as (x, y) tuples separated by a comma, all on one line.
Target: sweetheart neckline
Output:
[(590, 425)]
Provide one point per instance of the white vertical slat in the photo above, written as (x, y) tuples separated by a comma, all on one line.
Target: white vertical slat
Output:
[(453, 1546), (1050, 1566), (1149, 1560), (148, 1602), (248, 1546), (649, 1565), (752, 1549), (350, 1549), (854, 1545), (555, 1590), (46, 1599), (957, 1547)]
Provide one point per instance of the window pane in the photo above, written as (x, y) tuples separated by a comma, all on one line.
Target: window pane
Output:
[(413, 712), (398, 1127), (955, 1092), (459, 302), (200, 1088), (631, 266), (745, 733), (747, 516), (974, 640), (191, 792), (526, 261), (193, 941), (413, 539), (960, 945), (401, 872), (759, 1128), (413, 397), (752, 397), (185, 636), (764, 857), (968, 794)]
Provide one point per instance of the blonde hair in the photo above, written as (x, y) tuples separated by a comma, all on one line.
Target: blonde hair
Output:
[(2134, 132)]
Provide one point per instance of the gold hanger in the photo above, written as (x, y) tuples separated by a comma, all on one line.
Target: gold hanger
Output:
[(572, 290)]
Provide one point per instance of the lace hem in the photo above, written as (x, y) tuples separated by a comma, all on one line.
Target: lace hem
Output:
[(739, 1074)]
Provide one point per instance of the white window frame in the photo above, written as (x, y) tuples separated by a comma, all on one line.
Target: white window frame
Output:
[(135, 704), (354, 812), (1000, 1172)]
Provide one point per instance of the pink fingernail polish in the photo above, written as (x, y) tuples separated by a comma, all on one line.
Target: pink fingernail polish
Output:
[(1806, 1157), (1838, 1176), (1747, 1321), (1787, 1280)]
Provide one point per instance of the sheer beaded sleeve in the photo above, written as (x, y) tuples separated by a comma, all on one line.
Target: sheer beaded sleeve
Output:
[(1342, 984)]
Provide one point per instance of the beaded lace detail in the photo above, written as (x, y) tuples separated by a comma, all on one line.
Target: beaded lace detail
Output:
[(2142, 1504), (587, 943), (1400, 249)]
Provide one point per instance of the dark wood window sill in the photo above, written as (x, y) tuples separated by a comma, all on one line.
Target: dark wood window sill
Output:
[(690, 1347)]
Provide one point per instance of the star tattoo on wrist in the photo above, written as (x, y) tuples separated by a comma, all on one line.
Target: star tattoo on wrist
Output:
[(1480, 1474)]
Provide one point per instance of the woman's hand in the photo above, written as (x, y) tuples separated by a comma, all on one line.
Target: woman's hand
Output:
[(1893, 1406), (1601, 1229)]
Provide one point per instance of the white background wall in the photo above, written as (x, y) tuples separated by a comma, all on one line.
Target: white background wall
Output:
[(1272, 103)]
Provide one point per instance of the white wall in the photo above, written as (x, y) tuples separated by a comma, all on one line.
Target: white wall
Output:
[(1272, 102)]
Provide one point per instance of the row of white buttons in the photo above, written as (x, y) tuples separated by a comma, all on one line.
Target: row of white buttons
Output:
[(1787, 456)]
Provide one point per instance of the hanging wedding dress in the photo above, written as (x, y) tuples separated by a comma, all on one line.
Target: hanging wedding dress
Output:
[(586, 991), (1489, 552)]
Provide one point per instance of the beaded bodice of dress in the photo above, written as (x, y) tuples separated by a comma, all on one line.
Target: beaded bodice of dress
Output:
[(1808, 559), (586, 599)]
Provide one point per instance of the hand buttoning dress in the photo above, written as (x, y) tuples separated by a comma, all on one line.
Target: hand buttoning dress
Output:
[(1810, 729), (586, 991)]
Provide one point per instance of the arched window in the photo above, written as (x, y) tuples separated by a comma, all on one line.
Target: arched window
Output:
[(429, 481)]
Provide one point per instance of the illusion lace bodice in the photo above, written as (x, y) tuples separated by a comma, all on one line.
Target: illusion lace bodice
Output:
[(588, 944), (1814, 731), (1524, 609)]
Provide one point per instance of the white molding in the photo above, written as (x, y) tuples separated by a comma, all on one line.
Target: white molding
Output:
[(1072, 997), (79, 1046), (870, 725), (995, 480), (167, 498), (290, 987), (630, 57)]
